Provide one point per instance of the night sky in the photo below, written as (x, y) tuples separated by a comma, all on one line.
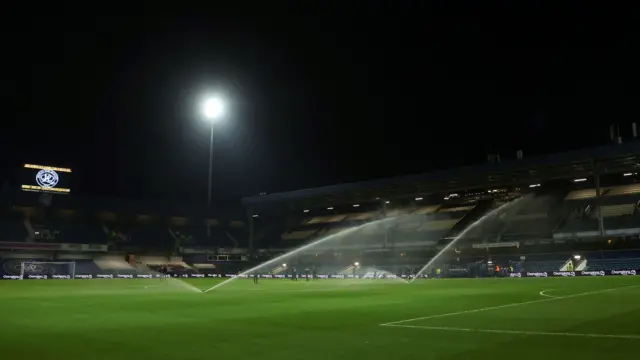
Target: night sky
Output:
[(317, 95)]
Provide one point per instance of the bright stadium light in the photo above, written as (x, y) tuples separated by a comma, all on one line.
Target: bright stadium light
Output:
[(284, 265), (213, 109), (356, 263), (418, 199), (305, 210), (580, 180)]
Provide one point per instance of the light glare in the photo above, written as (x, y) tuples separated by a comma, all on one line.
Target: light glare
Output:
[(213, 108)]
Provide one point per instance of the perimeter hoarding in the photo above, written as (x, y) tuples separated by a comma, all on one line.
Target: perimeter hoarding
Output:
[(46, 179), (539, 274)]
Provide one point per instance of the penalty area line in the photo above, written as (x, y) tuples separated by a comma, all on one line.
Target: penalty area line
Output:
[(517, 332), (506, 305)]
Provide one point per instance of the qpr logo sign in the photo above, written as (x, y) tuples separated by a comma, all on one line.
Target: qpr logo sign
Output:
[(47, 178)]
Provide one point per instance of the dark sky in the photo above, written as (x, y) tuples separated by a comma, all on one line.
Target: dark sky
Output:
[(317, 94)]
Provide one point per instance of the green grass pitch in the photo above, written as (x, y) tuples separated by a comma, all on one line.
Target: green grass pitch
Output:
[(551, 318)]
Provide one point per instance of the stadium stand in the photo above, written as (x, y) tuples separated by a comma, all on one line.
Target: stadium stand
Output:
[(537, 220), (99, 235), (298, 235), (426, 216), (12, 227), (583, 194), (429, 209), (624, 190), (326, 219), (620, 190), (114, 264), (368, 216), (84, 266), (544, 265), (614, 264), (437, 225)]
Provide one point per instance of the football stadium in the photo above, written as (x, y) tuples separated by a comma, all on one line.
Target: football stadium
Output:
[(531, 258)]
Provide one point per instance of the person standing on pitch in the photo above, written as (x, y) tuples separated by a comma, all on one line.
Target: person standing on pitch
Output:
[(255, 278), (163, 273), (294, 274)]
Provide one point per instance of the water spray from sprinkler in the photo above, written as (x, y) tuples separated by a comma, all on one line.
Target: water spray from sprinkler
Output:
[(490, 215), (279, 259)]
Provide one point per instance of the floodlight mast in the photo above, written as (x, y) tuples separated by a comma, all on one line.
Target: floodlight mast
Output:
[(213, 110), (210, 168)]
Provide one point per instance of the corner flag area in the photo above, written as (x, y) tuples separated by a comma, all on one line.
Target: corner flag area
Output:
[(544, 318)]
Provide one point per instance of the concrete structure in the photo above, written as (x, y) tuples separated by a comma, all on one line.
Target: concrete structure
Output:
[(589, 164)]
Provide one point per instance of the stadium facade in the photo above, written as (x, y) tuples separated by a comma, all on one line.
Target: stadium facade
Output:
[(591, 171), (581, 201)]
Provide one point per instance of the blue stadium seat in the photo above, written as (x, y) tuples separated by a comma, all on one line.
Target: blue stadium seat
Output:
[(613, 264)]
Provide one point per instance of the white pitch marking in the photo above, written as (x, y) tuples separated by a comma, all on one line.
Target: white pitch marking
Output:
[(544, 291), (517, 332), (505, 306)]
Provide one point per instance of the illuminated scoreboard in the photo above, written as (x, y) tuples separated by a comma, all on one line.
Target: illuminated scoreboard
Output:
[(46, 179)]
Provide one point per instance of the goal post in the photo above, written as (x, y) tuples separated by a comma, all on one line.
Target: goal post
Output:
[(47, 270)]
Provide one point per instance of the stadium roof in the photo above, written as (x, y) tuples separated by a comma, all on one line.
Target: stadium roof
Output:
[(578, 163)]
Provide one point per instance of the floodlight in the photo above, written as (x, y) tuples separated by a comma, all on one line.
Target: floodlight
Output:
[(213, 108)]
